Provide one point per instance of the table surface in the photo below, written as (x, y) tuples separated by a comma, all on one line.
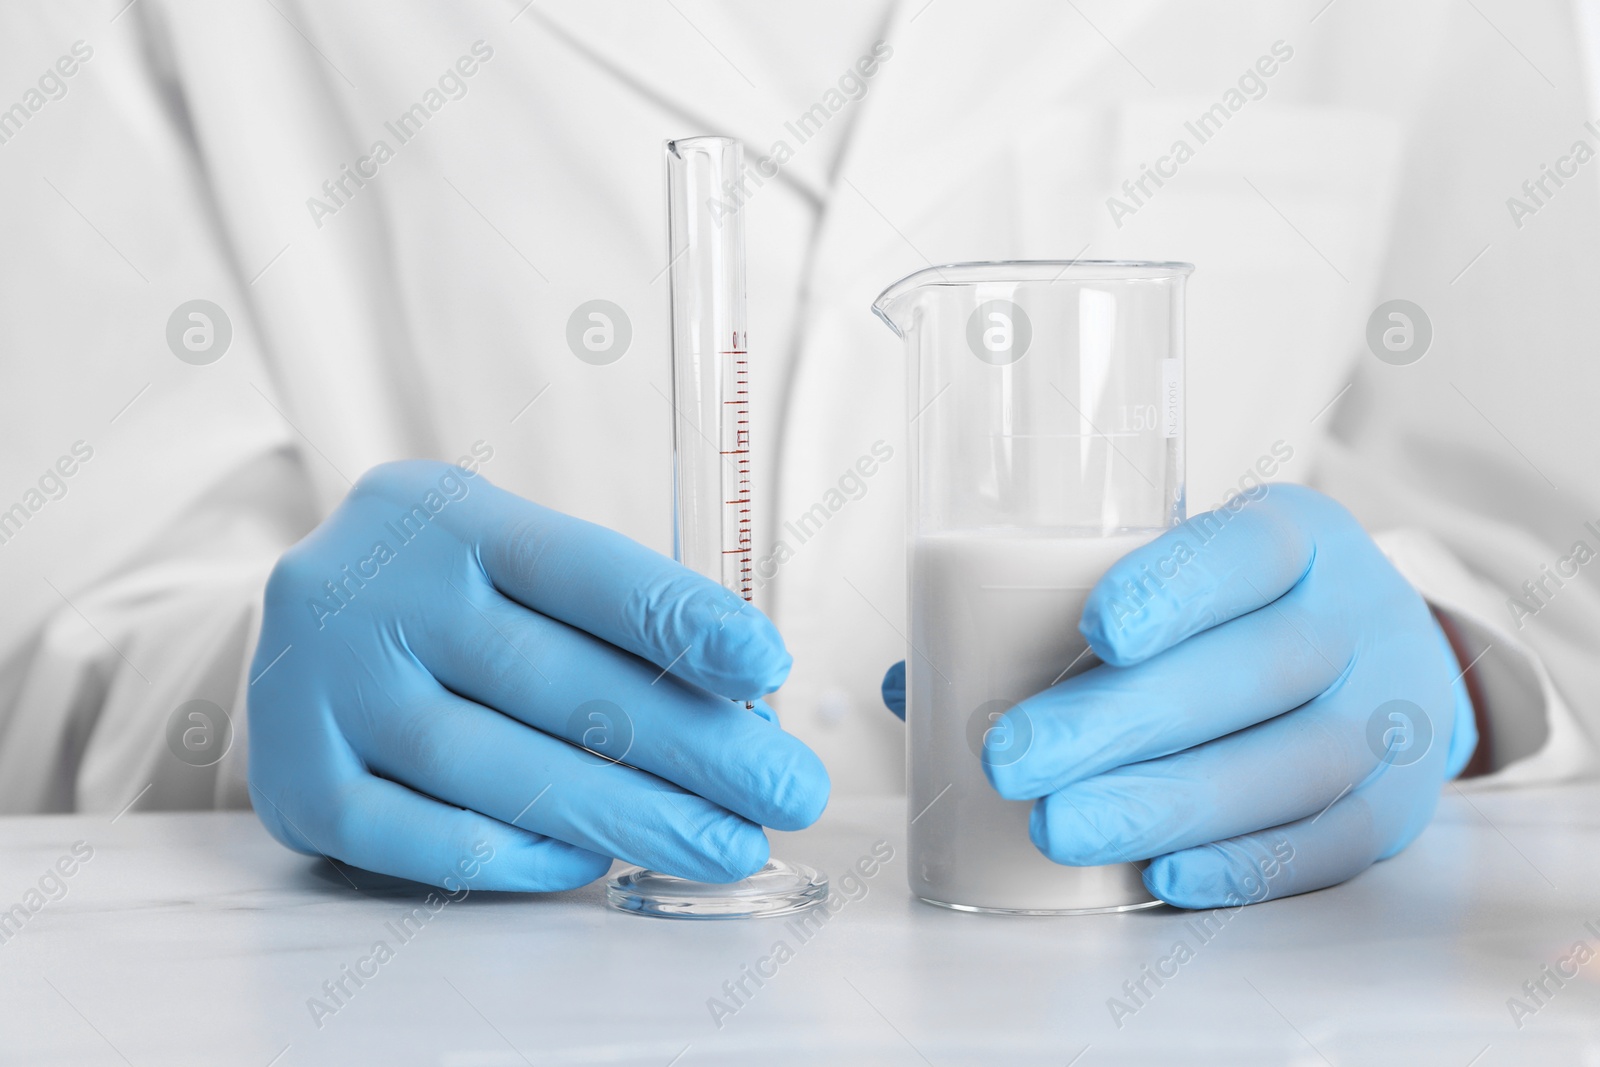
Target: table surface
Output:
[(194, 938)]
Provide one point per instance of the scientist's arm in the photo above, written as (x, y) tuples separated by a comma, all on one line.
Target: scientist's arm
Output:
[(145, 486), (1472, 457), (433, 656)]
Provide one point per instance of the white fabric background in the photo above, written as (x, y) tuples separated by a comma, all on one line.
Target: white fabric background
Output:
[(426, 314)]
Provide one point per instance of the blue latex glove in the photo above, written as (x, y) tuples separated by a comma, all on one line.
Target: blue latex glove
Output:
[(1240, 733), (425, 721)]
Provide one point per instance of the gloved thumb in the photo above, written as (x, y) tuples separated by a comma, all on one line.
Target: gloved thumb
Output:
[(894, 689)]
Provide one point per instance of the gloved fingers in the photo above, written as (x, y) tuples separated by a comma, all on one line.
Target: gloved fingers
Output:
[(1214, 684), (382, 826), (894, 689), (472, 756), (569, 684), (1370, 823), (625, 594), (1215, 567), (1285, 769)]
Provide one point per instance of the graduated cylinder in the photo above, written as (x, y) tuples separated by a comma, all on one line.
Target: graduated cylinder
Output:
[(710, 365)]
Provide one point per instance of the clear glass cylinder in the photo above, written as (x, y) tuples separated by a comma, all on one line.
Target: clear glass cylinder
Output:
[(712, 506), (710, 363), (1045, 402)]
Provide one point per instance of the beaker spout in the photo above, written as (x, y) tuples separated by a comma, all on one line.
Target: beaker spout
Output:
[(896, 305)]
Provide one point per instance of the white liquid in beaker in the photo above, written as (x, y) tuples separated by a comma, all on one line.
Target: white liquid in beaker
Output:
[(994, 618)]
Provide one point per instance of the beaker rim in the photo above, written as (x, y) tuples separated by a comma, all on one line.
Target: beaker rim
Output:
[(1031, 270), (699, 140), (1027, 270)]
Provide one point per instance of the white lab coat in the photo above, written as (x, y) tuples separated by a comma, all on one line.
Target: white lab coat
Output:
[(428, 310)]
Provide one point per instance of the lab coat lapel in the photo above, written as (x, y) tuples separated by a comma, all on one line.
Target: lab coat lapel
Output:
[(704, 96), (935, 120)]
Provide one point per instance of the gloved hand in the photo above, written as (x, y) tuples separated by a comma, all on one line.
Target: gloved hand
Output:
[(432, 656), (1276, 710)]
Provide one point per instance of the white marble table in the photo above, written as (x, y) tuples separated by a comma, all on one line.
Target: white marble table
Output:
[(195, 939)]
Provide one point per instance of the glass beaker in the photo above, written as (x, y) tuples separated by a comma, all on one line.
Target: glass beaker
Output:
[(1045, 402)]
